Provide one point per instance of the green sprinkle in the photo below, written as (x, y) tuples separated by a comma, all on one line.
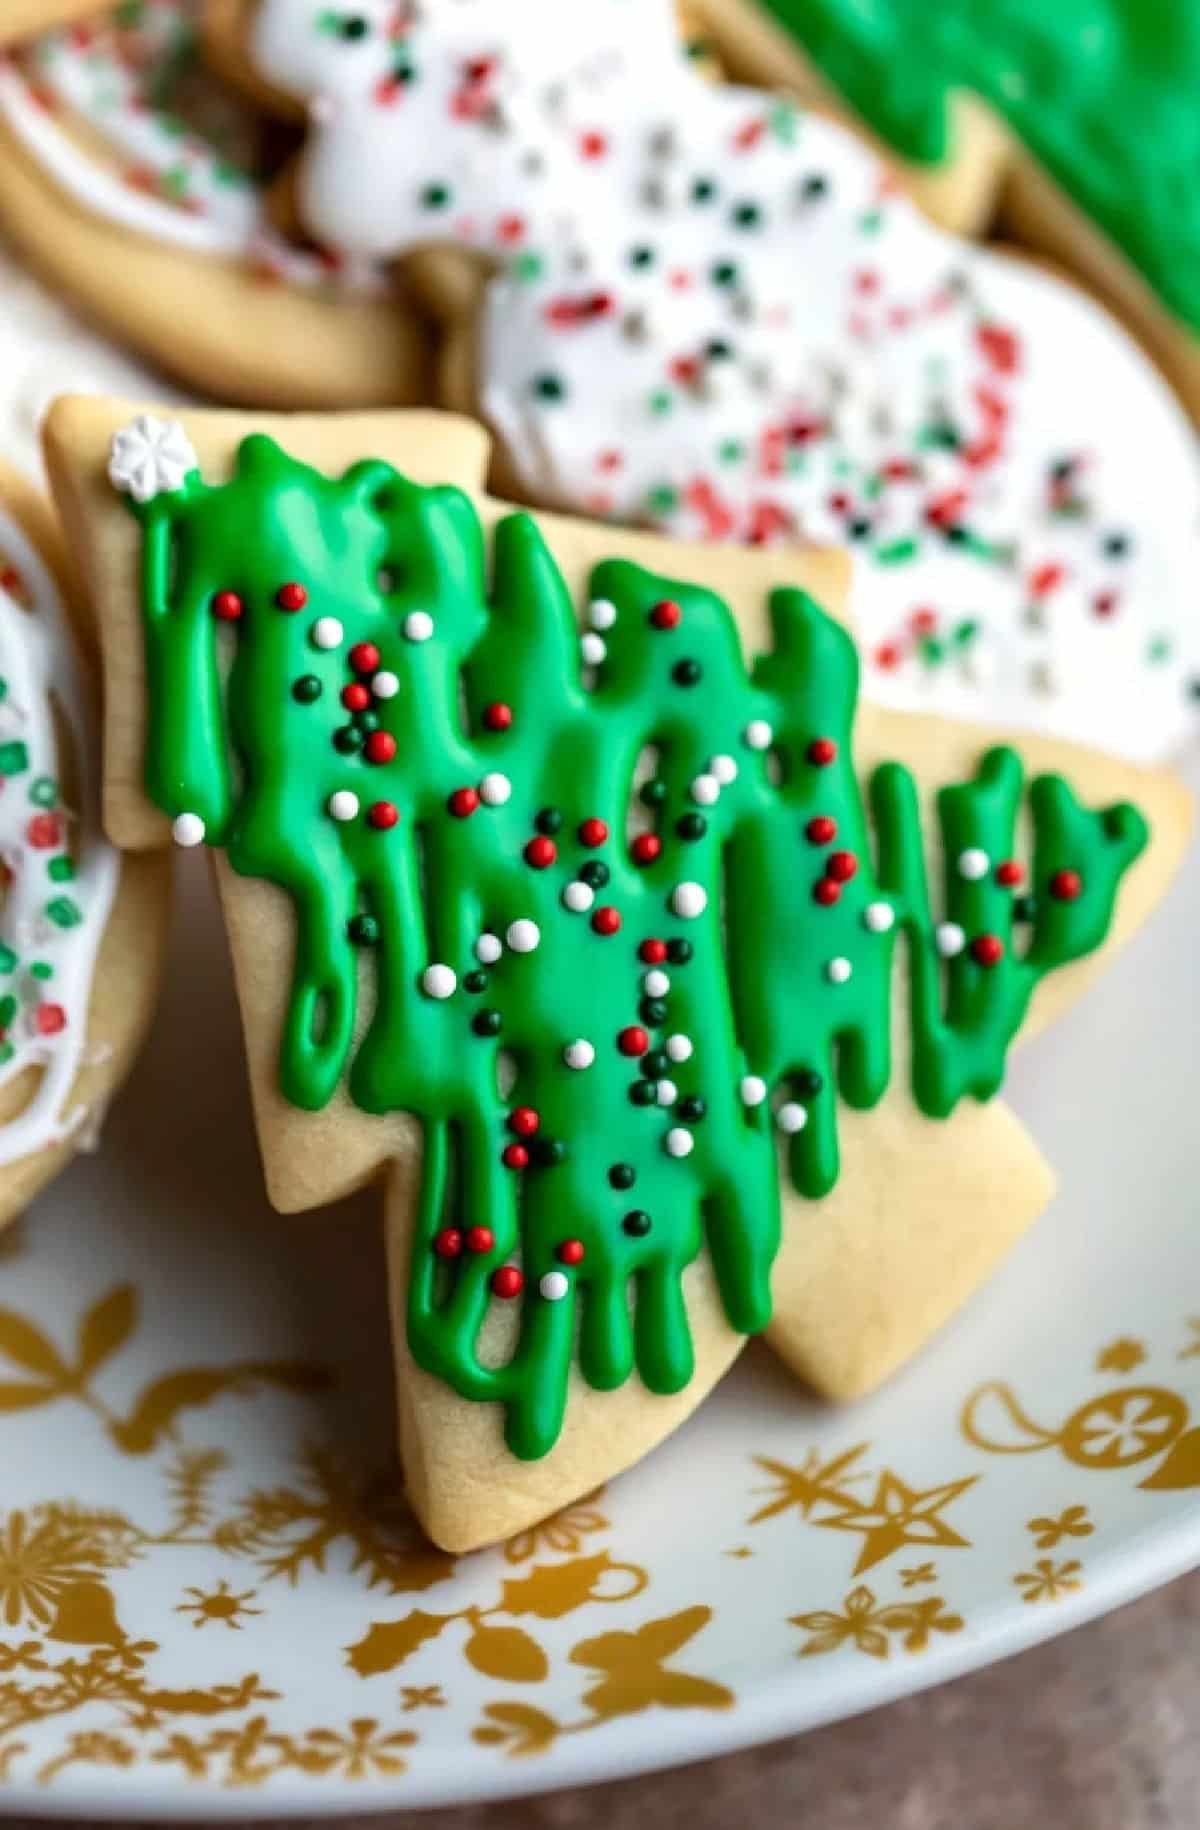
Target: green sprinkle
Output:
[(662, 499), (41, 969), (61, 870), (660, 402), (14, 758), (897, 552), (64, 912), (965, 633), (731, 451), (526, 267), (44, 791), (8, 958)]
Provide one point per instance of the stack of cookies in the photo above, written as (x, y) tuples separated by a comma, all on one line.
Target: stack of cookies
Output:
[(644, 885)]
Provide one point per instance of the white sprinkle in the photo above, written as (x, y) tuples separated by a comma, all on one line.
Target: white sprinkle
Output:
[(753, 1090), (385, 685), (950, 939), (705, 790), (188, 830), (602, 613), (879, 917), (343, 805), (578, 897), (666, 1092), (488, 949), (724, 768), (327, 632), (973, 863), (495, 789), (656, 984), (679, 1142), (523, 936), (689, 900), (580, 1054), (791, 1118), (758, 734), (838, 970), (439, 982), (593, 649), (679, 1048), (554, 1286), (418, 625)]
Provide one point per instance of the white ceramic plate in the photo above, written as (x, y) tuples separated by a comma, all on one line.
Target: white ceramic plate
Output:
[(211, 1603)]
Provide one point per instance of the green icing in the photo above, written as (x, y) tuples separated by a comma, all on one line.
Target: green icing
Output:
[(231, 739), (1103, 92)]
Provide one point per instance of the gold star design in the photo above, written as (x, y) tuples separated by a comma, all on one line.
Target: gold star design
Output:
[(810, 1484), (1120, 1356), (900, 1515)]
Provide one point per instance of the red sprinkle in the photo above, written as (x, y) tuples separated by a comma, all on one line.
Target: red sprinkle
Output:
[(826, 892), (571, 1251), (666, 614), (841, 866), (524, 1121), (821, 752), (355, 698), (463, 802), (515, 1156), (633, 1040), (1010, 873), (645, 849), (593, 833), (380, 747), (44, 831), (291, 597), (227, 606), (364, 657), (480, 1239), (606, 921), (1066, 886), (50, 1019), (497, 716), (540, 853), (507, 1282), (987, 950), (383, 815), (652, 952), (821, 830), (448, 1243)]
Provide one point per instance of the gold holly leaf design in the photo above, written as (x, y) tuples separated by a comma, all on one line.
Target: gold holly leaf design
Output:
[(869, 1627), (507, 1652), (519, 1728), (552, 1590), (387, 1643), (1180, 1468), (105, 1329), (635, 1674)]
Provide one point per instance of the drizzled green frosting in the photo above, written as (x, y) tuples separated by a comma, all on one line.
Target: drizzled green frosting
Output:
[(1103, 92), (763, 990)]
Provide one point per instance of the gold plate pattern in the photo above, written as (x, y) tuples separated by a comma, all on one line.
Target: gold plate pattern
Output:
[(210, 1589)]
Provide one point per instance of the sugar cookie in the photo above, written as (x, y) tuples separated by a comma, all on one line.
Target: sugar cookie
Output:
[(1075, 125), (606, 938), (81, 929), (134, 184), (713, 313)]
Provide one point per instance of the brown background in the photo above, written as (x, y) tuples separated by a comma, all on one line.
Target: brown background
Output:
[(1096, 1731)]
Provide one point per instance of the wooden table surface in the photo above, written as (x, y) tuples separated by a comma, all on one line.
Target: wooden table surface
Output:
[(1095, 1731)]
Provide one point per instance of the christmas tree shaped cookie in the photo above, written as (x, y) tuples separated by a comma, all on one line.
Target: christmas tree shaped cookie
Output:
[(665, 1002)]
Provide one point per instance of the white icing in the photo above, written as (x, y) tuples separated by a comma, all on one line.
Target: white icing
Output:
[(42, 674), (849, 330), (108, 79)]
